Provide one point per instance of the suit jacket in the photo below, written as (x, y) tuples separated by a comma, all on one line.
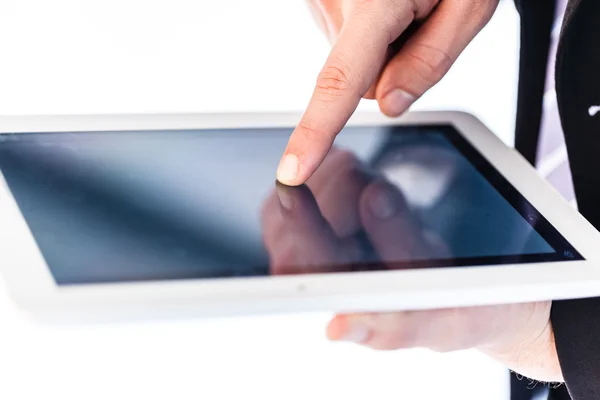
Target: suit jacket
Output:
[(576, 323)]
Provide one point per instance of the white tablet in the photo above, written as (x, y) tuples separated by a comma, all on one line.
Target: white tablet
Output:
[(153, 216)]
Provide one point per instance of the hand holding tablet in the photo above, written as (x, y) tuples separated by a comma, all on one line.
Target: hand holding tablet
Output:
[(162, 216), (129, 217), (304, 232)]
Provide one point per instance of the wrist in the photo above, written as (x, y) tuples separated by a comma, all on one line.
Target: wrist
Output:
[(537, 360), (532, 353)]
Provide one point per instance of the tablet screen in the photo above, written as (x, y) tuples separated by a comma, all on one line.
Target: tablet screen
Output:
[(199, 204)]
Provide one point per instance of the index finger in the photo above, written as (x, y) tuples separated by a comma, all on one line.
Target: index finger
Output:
[(350, 69)]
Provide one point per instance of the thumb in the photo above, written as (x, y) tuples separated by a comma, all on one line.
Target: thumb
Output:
[(430, 52)]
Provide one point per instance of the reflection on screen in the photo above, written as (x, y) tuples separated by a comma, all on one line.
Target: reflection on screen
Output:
[(133, 206)]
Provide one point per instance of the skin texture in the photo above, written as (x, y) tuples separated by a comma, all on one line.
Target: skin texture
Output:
[(304, 231)]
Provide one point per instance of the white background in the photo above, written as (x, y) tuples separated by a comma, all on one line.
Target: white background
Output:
[(119, 56)]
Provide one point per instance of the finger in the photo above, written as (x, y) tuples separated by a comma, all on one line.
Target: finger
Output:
[(349, 71), (392, 229), (330, 23), (440, 330), (430, 52), (393, 49), (372, 91), (381, 331), (492, 329)]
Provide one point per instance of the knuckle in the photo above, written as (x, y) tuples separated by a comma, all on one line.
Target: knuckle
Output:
[(333, 81), (311, 131), (430, 64)]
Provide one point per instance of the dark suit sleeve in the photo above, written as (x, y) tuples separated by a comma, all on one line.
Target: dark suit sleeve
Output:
[(576, 326)]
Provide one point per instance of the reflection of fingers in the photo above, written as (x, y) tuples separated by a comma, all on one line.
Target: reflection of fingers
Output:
[(271, 218), (306, 242), (322, 176), (337, 186), (300, 209), (391, 227)]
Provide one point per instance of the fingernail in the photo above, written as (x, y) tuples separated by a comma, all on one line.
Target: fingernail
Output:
[(288, 168), (397, 101), (285, 199), (382, 204), (356, 334)]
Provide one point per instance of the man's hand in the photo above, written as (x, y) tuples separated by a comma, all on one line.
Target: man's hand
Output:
[(518, 336), (363, 63)]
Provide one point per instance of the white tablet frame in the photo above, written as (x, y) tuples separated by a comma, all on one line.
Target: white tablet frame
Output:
[(31, 285)]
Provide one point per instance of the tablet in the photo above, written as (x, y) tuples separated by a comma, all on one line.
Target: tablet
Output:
[(127, 217)]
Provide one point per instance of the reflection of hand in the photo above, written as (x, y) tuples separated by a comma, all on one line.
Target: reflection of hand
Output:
[(343, 214), (315, 227), (364, 62)]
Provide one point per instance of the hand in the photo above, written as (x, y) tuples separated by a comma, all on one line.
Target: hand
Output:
[(364, 62), (518, 336)]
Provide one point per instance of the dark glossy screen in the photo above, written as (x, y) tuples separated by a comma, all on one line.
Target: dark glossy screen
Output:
[(155, 205)]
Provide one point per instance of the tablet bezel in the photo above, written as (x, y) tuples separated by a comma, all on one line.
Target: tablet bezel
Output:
[(29, 280)]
